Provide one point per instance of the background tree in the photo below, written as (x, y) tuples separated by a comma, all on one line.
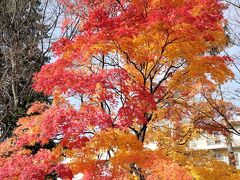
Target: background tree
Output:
[(28, 27), (21, 33), (130, 68), (233, 29), (233, 32)]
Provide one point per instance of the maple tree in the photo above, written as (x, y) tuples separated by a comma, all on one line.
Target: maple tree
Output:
[(132, 66)]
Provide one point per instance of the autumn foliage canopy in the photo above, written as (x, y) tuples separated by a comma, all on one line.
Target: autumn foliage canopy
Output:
[(133, 66)]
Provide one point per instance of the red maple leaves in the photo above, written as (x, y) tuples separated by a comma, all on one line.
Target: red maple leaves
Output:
[(131, 63)]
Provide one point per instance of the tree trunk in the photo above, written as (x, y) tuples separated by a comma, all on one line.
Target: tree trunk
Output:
[(137, 171), (230, 151)]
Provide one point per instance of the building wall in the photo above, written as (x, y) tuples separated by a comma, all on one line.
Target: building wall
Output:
[(217, 144)]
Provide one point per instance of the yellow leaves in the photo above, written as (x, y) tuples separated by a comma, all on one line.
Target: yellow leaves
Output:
[(214, 170), (220, 40), (122, 160), (202, 165), (148, 45), (114, 138), (80, 165), (134, 73), (183, 48), (123, 148), (162, 47), (167, 135), (196, 10), (159, 114), (125, 151), (202, 72), (58, 152), (214, 66)]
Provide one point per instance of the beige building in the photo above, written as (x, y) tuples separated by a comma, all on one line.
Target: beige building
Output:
[(217, 143)]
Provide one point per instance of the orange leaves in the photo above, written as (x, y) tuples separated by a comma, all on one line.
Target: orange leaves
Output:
[(203, 73), (119, 153), (114, 138), (142, 29), (165, 169), (37, 107), (214, 66), (133, 65)]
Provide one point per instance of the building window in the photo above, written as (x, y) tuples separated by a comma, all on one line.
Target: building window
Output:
[(217, 139), (219, 157), (214, 139), (210, 142)]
